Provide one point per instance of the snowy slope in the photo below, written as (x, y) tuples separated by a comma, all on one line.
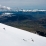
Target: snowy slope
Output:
[(10, 36)]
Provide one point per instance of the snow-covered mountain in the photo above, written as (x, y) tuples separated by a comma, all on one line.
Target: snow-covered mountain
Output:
[(10, 36), (35, 10), (4, 8)]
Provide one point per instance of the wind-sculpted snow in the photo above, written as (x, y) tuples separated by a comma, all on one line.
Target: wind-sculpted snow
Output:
[(10, 36)]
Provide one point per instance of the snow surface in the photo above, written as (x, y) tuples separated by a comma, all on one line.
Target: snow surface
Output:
[(10, 36)]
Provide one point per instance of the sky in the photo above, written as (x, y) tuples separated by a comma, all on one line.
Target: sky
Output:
[(24, 4)]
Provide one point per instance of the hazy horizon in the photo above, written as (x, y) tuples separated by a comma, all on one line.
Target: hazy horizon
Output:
[(24, 4)]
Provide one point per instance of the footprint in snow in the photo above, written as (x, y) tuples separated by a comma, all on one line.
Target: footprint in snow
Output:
[(4, 28), (24, 40), (32, 39)]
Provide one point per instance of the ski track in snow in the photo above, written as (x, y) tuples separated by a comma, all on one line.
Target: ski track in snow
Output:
[(10, 36)]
